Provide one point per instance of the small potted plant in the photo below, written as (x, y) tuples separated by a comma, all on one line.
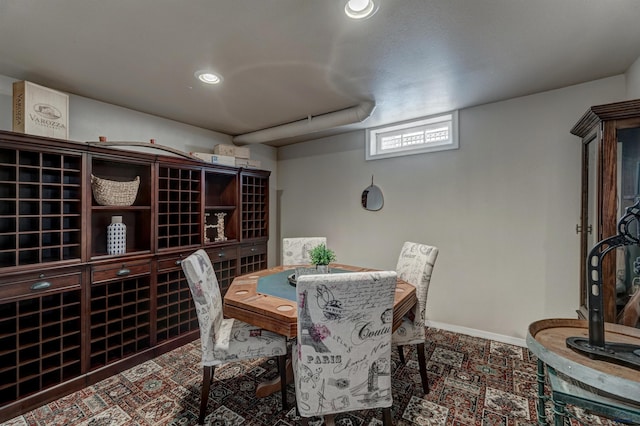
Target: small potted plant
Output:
[(321, 257)]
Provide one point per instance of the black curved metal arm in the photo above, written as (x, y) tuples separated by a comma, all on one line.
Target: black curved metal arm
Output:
[(594, 274), (596, 346)]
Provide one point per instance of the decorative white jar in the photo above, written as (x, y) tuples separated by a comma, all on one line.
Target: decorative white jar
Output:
[(116, 236)]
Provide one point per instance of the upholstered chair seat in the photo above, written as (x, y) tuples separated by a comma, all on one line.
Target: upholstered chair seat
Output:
[(415, 266), (225, 340)]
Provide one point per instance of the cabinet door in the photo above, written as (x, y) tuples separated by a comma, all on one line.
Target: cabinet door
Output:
[(40, 333), (611, 183), (175, 310), (624, 268), (179, 216), (40, 206), (120, 324)]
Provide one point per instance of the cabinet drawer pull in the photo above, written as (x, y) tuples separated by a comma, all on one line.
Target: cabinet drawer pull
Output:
[(220, 254), (178, 262), (123, 272), (40, 285), (253, 249)]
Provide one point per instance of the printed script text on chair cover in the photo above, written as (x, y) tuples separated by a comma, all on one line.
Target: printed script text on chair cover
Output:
[(342, 360), (225, 340), (415, 265), (295, 251)]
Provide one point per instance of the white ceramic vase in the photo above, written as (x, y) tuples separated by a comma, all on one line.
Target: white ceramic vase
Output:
[(116, 236)]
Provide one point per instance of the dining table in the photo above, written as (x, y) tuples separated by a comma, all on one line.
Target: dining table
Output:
[(267, 299)]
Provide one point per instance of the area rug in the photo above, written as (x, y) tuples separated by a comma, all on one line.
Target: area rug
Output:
[(473, 382)]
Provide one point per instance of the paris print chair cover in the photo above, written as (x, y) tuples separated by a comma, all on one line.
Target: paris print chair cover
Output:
[(224, 340), (342, 358), (415, 265), (295, 251)]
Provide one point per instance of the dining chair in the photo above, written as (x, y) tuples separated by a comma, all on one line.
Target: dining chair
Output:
[(295, 251), (415, 265), (342, 356), (225, 340)]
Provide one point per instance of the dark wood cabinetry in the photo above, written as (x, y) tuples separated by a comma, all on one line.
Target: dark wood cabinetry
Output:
[(71, 314), (40, 206), (41, 342), (610, 183)]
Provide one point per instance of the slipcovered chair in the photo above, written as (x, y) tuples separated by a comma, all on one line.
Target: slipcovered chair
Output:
[(342, 358), (226, 340), (415, 265), (295, 251)]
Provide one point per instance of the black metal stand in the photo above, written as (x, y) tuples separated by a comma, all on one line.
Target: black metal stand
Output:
[(596, 347)]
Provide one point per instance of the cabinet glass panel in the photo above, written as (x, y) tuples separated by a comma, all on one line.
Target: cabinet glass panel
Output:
[(627, 265)]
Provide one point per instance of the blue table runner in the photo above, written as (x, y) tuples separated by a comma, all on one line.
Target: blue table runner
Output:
[(278, 284)]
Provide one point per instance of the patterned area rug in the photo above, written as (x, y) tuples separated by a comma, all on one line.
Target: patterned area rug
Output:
[(473, 382)]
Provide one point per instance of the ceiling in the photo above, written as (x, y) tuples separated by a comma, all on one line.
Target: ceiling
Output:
[(285, 60)]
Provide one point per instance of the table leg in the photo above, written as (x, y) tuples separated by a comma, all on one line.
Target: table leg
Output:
[(267, 388), (542, 418), (558, 412)]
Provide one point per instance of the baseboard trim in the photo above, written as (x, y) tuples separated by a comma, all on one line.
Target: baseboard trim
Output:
[(477, 333)]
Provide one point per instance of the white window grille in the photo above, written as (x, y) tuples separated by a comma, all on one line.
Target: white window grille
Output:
[(428, 134)]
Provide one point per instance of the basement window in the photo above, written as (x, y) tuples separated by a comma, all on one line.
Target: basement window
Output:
[(427, 134)]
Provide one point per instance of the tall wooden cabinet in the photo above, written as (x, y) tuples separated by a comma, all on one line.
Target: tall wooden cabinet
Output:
[(70, 313), (610, 183)]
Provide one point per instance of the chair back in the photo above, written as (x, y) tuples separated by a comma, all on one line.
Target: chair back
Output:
[(415, 265), (208, 301), (295, 251), (343, 361)]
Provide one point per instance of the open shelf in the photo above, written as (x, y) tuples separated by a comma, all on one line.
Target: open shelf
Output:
[(40, 207), (40, 343), (255, 218), (221, 198), (120, 319), (179, 218)]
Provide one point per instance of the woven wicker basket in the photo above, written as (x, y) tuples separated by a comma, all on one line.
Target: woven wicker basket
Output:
[(114, 193)]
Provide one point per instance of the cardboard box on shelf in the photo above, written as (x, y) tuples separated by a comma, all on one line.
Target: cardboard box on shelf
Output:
[(224, 160), (244, 162), (231, 150), (41, 111)]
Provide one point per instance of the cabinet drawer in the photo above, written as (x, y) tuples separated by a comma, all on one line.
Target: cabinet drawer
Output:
[(120, 270), (222, 253), (253, 249), (172, 261), (38, 283)]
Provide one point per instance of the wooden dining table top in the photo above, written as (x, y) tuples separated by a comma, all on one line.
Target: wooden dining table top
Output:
[(273, 306)]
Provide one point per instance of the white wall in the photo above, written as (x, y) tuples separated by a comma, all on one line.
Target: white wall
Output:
[(502, 208), (89, 119), (633, 80)]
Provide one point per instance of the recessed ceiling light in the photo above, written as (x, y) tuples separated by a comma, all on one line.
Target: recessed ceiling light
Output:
[(360, 9), (208, 77)]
